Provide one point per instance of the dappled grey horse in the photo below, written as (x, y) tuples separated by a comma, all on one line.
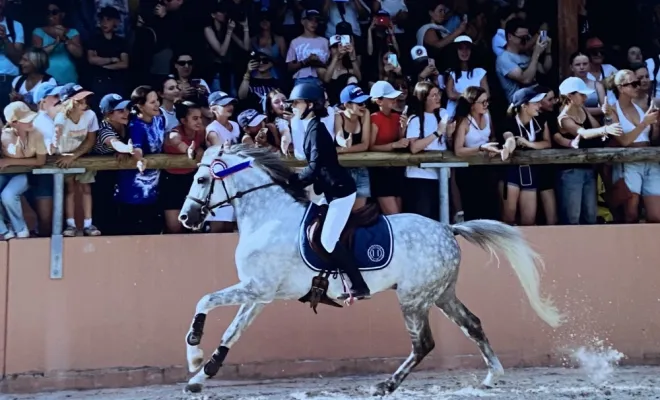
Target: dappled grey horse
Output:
[(414, 255)]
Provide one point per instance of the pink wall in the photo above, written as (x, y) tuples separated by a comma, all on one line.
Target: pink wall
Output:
[(120, 314)]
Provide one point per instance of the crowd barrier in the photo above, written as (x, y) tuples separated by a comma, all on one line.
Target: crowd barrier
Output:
[(442, 161), (119, 315)]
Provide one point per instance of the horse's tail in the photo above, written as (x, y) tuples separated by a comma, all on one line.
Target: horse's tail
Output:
[(494, 236)]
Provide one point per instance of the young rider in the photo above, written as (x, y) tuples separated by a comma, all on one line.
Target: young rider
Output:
[(329, 178)]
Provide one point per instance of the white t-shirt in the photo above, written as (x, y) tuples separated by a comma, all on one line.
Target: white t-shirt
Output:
[(45, 124), (28, 94), (430, 126), (170, 119), (74, 134), (223, 133), (463, 83)]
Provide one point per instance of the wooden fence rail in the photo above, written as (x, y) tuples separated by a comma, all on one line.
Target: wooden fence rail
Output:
[(381, 159)]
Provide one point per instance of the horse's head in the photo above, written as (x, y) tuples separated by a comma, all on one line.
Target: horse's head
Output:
[(212, 186)]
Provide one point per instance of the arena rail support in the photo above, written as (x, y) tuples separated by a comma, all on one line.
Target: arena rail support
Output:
[(56, 238), (444, 171)]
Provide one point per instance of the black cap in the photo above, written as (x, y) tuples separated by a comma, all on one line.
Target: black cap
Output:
[(109, 12)]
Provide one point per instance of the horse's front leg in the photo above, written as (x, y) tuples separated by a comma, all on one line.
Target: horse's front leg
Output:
[(246, 314), (240, 293)]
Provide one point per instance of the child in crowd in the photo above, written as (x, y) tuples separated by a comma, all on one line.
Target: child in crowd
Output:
[(75, 135), (222, 131), (22, 145), (256, 131)]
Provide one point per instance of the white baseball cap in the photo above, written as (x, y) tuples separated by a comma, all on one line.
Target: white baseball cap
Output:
[(418, 52), (574, 84), (384, 89)]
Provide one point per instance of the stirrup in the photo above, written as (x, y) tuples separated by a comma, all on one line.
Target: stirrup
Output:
[(362, 296)]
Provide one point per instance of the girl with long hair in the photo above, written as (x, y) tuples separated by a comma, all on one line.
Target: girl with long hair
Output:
[(186, 138), (463, 73), (329, 178), (474, 134), (169, 93), (426, 130)]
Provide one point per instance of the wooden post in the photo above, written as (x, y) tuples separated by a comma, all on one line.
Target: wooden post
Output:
[(567, 33)]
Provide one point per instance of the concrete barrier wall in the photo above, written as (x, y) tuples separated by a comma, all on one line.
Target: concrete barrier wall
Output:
[(120, 315)]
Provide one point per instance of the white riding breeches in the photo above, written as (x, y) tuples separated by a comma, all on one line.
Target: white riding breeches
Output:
[(338, 212)]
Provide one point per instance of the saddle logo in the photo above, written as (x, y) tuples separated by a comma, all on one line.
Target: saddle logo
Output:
[(376, 253)]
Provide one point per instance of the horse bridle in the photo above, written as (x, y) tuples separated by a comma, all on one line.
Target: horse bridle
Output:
[(208, 208)]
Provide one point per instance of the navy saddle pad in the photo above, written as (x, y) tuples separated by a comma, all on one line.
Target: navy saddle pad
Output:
[(373, 246)]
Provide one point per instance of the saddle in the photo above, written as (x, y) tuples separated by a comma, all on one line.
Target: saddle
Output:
[(364, 217), (361, 218)]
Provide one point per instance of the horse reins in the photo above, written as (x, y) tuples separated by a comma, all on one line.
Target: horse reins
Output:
[(208, 209)]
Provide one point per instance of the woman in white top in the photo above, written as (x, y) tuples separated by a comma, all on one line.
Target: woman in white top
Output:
[(634, 179), (34, 64), (169, 93), (474, 135), (463, 73), (427, 130), (222, 131)]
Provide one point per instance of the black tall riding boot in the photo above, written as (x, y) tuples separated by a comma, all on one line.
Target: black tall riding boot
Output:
[(344, 260)]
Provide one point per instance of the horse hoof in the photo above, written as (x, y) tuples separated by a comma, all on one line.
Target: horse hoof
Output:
[(193, 388), (382, 389)]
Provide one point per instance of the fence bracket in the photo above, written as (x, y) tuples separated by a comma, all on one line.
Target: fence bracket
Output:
[(443, 177), (56, 239)]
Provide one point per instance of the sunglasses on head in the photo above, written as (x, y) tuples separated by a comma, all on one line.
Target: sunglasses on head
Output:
[(634, 84), (184, 63)]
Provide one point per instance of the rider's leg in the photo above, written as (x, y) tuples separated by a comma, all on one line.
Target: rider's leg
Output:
[(339, 210)]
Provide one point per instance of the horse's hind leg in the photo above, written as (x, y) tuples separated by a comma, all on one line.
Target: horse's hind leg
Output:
[(417, 324), (246, 314), (471, 326)]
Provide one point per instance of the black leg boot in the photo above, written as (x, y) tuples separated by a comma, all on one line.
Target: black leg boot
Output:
[(344, 260)]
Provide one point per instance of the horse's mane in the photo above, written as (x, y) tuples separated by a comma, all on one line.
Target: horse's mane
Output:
[(271, 163)]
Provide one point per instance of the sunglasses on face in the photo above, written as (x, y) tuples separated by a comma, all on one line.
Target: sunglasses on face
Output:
[(363, 104), (595, 52), (54, 11), (184, 63), (634, 84), (523, 38)]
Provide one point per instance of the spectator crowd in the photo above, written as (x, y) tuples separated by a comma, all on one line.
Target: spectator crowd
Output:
[(474, 77)]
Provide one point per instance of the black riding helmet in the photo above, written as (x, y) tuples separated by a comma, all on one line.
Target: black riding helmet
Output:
[(310, 92)]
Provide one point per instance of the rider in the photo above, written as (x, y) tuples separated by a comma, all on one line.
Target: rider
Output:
[(329, 178)]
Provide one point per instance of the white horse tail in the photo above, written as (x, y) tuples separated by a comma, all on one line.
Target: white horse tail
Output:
[(494, 236)]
